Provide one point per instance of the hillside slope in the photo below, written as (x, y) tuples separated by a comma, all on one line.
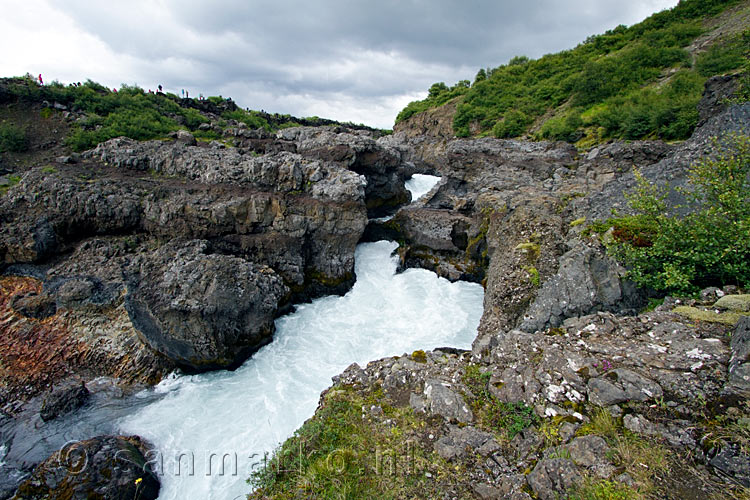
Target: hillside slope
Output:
[(638, 82)]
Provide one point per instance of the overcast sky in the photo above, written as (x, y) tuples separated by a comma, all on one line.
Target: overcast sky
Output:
[(349, 60)]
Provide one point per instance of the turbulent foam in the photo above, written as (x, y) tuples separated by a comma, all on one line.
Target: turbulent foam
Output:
[(240, 416), (420, 184)]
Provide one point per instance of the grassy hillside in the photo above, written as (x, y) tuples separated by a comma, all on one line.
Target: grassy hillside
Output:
[(135, 113), (638, 82)]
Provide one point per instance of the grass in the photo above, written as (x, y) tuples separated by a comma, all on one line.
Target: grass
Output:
[(602, 489), (725, 318), (601, 423), (646, 461), (346, 451)]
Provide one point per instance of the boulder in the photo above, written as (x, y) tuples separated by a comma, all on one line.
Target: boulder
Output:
[(462, 441), (203, 310), (445, 402), (33, 305), (66, 397), (739, 303), (739, 364), (621, 385), (586, 281), (588, 451), (552, 477), (111, 467), (185, 137)]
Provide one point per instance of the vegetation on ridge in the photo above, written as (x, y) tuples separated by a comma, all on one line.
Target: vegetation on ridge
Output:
[(132, 112), (632, 83)]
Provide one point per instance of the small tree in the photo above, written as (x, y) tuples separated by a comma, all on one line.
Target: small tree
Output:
[(709, 246)]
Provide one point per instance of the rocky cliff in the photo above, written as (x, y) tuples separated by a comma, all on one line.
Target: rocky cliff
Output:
[(135, 258), (570, 389)]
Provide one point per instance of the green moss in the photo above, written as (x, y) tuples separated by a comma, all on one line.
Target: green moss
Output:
[(328, 281), (49, 169), (533, 275), (557, 332), (419, 356), (578, 222), (695, 314), (530, 249)]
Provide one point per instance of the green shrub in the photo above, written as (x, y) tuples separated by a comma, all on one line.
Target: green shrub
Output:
[(438, 94), (250, 118), (725, 56), (513, 124), (710, 245), (563, 128), (12, 138)]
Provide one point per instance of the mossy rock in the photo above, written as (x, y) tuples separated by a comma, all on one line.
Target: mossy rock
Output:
[(695, 314), (740, 303)]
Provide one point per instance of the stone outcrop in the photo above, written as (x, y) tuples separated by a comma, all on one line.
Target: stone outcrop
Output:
[(358, 151), (287, 223), (203, 310), (657, 374), (112, 467)]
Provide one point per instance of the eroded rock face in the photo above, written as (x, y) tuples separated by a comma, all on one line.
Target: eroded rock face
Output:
[(203, 310), (587, 280), (112, 467), (739, 365), (381, 165), (286, 223)]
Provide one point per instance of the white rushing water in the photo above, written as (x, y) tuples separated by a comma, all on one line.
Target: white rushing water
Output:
[(236, 417), (420, 185)]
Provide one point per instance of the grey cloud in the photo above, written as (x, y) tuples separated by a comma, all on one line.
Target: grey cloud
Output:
[(362, 49)]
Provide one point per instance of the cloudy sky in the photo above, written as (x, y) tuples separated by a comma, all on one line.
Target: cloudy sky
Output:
[(350, 60)]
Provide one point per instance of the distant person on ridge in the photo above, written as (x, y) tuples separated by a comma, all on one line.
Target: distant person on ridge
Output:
[(40, 79), (159, 87)]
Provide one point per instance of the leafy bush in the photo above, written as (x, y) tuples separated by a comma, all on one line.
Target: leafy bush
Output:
[(710, 245), (513, 124), (438, 95), (562, 128), (12, 138)]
